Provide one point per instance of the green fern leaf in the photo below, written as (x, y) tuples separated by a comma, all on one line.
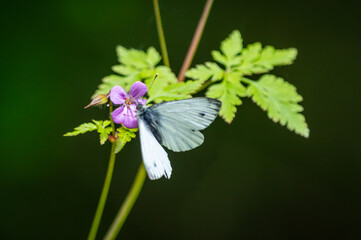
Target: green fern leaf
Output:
[(125, 135), (83, 128), (136, 65), (256, 60), (205, 72), (228, 92), (280, 100), (177, 91), (103, 130), (232, 46), (113, 80)]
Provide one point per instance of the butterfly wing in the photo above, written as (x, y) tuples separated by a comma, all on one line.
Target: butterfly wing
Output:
[(176, 124), (155, 159)]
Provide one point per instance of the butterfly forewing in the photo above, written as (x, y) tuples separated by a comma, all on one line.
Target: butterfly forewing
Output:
[(176, 123), (195, 113)]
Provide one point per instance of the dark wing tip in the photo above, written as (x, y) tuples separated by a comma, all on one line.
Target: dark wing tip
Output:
[(215, 102)]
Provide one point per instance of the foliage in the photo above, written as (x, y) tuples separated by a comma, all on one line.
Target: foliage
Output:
[(83, 128), (103, 130), (224, 79), (101, 127), (280, 100), (136, 65), (125, 135), (275, 95)]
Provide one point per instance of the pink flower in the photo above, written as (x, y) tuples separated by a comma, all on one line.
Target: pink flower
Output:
[(126, 114)]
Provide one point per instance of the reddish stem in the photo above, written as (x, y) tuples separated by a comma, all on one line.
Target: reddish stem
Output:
[(195, 41)]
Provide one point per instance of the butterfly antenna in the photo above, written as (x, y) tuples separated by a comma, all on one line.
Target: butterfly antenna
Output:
[(151, 84)]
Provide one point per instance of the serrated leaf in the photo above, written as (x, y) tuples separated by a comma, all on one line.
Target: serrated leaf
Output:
[(83, 128), (165, 78), (228, 92), (124, 136), (132, 57), (256, 60), (114, 80), (280, 100), (207, 71), (135, 65), (177, 91), (103, 130), (231, 49), (232, 46), (218, 57), (153, 57)]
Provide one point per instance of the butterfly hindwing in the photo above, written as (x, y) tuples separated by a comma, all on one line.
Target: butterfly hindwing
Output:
[(155, 158)]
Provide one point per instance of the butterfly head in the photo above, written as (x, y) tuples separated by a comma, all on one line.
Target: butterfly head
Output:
[(132, 100)]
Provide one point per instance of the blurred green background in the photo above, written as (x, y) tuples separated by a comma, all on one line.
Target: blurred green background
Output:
[(252, 179)]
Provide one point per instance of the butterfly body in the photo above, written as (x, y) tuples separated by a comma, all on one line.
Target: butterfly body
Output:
[(175, 125)]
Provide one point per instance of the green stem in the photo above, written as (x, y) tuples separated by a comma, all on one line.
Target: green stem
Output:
[(108, 178), (195, 41), (140, 178), (204, 85), (127, 204), (163, 45), (248, 81)]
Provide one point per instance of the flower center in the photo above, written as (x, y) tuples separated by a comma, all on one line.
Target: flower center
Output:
[(128, 101)]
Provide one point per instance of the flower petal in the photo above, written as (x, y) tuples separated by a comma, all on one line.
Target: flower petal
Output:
[(142, 101), (118, 114), (130, 119), (138, 89), (126, 116), (118, 95), (130, 122)]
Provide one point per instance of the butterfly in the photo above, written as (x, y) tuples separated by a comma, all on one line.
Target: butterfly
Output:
[(176, 126)]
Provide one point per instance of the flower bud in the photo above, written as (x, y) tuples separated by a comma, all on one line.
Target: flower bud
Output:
[(98, 100), (112, 138)]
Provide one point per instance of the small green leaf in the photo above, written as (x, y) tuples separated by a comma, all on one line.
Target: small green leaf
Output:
[(205, 72), (132, 57), (218, 57), (256, 60), (153, 57), (135, 65), (177, 91), (101, 127), (113, 80), (280, 100), (228, 92), (231, 49), (232, 46), (125, 135), (83, 128), (103, 130), (165, 78)]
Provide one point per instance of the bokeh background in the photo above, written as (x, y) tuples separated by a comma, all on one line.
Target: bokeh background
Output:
[(252, 179)]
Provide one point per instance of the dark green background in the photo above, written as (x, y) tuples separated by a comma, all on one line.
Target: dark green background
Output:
[(252, 179)]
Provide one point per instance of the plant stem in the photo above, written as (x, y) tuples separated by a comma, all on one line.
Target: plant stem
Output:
[(127, 204), (162, 43), (108, 178), (141, 174), (195, 41)]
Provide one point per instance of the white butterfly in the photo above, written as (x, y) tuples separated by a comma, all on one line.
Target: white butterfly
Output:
[(175, 125)]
